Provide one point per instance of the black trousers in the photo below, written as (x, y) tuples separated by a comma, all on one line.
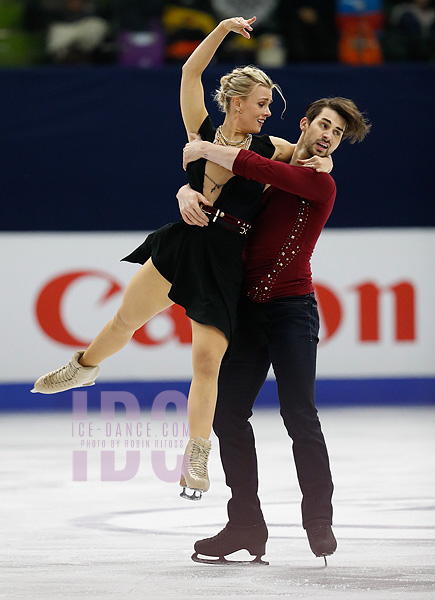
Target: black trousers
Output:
[(282, 332)]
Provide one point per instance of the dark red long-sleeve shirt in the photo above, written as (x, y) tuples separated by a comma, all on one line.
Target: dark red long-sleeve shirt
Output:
[(293, 213)]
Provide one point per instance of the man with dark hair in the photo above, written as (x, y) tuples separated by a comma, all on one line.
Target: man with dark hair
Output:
[(278, 325)]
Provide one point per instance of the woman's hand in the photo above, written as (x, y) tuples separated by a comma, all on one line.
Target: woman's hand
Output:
[(239, 25), (320, 164), (189, 203), (193, 149)]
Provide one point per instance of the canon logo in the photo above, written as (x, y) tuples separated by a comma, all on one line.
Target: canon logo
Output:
[(368, 299), (367, 296)]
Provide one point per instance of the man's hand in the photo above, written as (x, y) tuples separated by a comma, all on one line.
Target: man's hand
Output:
[(190, 203), (193, 150), (319, 164)]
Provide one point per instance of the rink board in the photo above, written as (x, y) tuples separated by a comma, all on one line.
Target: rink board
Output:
[(375, 290), (335, 392)]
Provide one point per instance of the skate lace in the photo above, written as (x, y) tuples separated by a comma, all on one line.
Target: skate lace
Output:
[(61, 376), (198, 460)]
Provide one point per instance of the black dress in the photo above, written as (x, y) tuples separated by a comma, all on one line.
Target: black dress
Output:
[(205, 264)]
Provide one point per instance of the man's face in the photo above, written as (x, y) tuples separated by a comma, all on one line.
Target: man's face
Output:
[(322, 136)]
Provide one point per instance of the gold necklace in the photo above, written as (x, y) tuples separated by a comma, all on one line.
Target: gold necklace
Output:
[(223, 141), (219, 138)]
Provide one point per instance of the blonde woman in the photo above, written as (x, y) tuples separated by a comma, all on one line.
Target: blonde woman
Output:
[(198, 268)]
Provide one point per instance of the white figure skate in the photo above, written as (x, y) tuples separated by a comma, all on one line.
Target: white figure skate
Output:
[(72, 375), (194, 474)]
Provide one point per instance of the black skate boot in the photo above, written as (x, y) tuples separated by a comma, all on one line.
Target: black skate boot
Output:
[(231, 539), (321, 539)]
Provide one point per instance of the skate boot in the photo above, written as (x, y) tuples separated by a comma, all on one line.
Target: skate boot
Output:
[(70, 376), (231, 539), (194, 474), (321, 539)]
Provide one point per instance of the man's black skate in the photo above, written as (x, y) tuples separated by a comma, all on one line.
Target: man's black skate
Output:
[(321, 538), (231, 539)]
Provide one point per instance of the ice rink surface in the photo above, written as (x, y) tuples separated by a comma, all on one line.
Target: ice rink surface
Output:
[(133, 539)]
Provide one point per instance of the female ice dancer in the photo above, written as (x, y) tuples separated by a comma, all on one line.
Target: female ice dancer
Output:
[(199, 268)]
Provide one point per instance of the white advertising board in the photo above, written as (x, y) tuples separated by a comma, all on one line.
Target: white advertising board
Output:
[(375, 290)]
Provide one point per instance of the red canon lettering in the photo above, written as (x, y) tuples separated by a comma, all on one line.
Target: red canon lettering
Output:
[(404, 302), (404, 294), (49, 305), (49, 311), (50, 319)]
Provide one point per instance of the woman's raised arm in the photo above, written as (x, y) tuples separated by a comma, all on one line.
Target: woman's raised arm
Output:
[(192, 102)]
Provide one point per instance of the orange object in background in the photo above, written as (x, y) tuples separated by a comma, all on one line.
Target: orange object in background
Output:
[(358, 43)]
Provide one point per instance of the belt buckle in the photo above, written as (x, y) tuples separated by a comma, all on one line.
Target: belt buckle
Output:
[(219, 213)]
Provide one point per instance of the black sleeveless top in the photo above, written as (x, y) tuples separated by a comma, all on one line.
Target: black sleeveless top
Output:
[(205, 264), (239, 197)]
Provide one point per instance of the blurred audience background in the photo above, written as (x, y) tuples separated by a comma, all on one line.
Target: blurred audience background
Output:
[(149, 33)]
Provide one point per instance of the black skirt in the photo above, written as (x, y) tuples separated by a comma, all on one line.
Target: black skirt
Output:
[(204, 266)]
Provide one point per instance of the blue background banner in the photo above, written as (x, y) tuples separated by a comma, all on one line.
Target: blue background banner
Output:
[(100, 148)]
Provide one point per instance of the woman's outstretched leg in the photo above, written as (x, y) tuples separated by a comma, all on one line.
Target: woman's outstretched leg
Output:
[(145, 296), (208, 348)]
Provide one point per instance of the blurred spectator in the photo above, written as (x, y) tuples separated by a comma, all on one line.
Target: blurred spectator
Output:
[(265, 47), (360, 23), (412, 30), (135, 15), (18, 46), (308, 27), (141, 39), (262, 9), (186, 23), (77, 31)]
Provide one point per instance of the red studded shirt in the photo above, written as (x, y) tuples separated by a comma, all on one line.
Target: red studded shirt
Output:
[(292, 215)]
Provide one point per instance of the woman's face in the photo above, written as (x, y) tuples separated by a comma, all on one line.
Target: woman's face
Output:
[(252, 111)]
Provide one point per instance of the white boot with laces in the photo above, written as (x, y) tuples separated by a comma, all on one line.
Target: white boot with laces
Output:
[(194, 472), (72, 375)]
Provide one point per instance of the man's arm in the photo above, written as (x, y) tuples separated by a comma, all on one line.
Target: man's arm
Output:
[(221, 155), (226, 155), (307, 183), (313, 186)]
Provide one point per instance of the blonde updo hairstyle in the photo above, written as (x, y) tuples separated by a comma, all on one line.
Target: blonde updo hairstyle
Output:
[(241, 83)]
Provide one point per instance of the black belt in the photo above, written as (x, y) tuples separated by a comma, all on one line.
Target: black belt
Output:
[(226, 220)]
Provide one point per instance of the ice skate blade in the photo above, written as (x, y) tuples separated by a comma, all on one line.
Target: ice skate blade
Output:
[(196, 494), (223, 561), (324, 558), (35, 391)]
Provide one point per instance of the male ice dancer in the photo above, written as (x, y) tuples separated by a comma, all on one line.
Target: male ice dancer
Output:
[(279, 325)]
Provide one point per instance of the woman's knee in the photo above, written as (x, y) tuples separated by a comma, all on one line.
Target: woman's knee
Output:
[(207, 354), (123, 322), (206, 363)]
